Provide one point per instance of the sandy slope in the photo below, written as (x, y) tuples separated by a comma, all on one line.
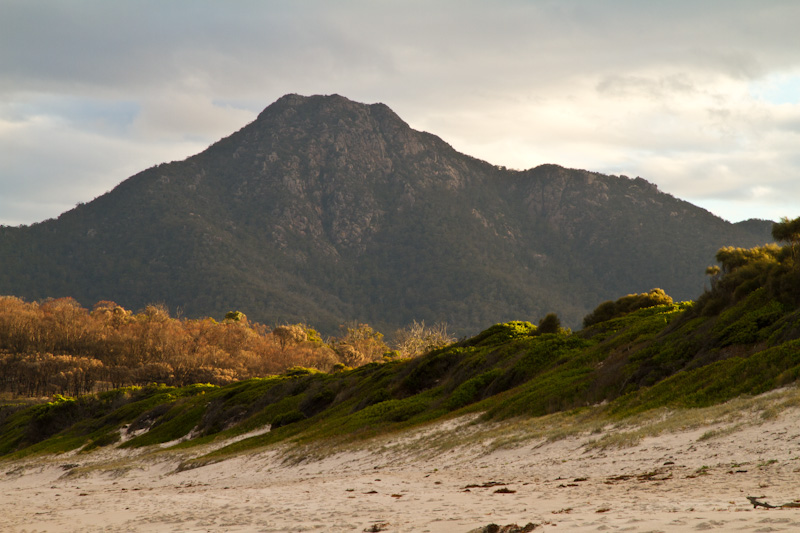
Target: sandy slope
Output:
[(397, 484)]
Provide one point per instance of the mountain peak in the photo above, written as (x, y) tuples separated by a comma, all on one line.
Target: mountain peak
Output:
[(321, 105), (325, 210), (295, 101), (330, 110)]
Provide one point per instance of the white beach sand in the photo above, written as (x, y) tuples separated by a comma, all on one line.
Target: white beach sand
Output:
[(675, 481)]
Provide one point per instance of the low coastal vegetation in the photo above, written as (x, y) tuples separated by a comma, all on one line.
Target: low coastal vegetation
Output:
[(634, 355)]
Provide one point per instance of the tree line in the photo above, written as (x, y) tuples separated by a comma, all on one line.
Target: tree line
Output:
[(59, 347)]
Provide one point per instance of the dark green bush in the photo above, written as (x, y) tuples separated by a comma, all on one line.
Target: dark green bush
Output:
[(550, 324), (377, 396), (105, 439), (287, 418), (52, 417), (472, 390), (500, 333), (425, 372), (297, 371), (626, 304), (317, 401), (394, 410)]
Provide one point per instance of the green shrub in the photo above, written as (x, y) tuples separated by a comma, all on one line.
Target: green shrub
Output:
[(287, 418), (105, 439), (541, 354), (500, 333), (297, 371), (317, 401), (626, 304), (341, 367), (748, 321), (425, 372), (550, 324), (52, 417), (377, 396), (471, 390), (394, 410)]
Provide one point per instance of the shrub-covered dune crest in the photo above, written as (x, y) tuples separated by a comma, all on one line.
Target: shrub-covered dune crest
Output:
[(741, 337)]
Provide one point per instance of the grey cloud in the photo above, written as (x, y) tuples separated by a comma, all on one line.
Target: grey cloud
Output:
[(656, 88), (109, 117), (520, 79)]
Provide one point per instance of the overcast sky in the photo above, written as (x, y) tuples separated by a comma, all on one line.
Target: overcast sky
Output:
[(699, 97)]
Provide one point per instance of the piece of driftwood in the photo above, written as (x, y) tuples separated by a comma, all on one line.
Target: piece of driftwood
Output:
[(765, 505), (756, 503), (486, 485), (510, 528)]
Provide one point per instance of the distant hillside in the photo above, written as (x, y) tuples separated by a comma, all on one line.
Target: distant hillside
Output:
[(325, 210)]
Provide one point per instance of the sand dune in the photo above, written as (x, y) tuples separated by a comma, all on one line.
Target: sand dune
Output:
[(687, 480)]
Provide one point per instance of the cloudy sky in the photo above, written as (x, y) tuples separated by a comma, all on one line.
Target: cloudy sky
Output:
[(699, 97)]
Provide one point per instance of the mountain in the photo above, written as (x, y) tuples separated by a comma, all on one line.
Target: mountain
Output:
[(324, 210)]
